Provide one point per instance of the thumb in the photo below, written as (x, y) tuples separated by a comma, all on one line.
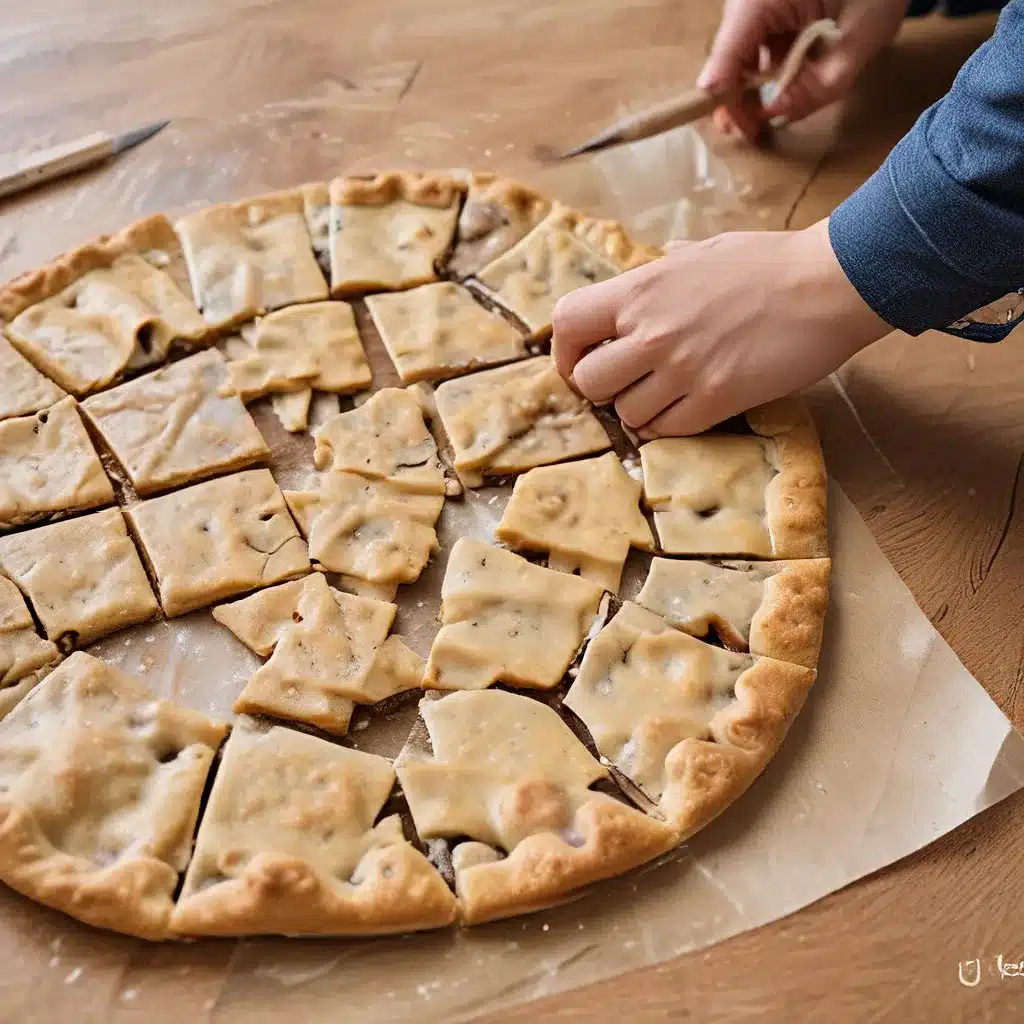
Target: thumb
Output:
[(736, 48)]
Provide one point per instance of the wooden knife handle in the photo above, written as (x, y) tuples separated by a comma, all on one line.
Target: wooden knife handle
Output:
[(55, 162), (665, 116)]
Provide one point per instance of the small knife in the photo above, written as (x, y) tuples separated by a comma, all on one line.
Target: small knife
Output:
[(697, 103), (69, 157)]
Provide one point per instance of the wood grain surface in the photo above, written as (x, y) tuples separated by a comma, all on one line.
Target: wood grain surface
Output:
[(925, 434)]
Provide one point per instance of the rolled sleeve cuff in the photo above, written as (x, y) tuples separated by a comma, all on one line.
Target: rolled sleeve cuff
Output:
[(921, 249)]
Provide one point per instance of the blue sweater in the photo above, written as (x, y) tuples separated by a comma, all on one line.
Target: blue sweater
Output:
[(937, 232)]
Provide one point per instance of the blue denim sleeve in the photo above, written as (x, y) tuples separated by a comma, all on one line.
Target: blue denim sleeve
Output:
[(938, 231)]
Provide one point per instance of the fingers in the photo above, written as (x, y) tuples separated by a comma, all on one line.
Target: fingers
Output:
[(736, 48), (814, 86), (582, 319), (601, 374), (744, 116), (691, 414), (647, 398)]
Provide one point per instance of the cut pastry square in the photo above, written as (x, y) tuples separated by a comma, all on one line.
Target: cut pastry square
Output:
[(692, 725), (760, 495), (83, 577), (328, 652), (111, 306), (288, 846), (23, 389), (515, 417), (497, 213), (312, 346), (565, 251), (249, 257), (24, 655), (376, 534), (48, 467), (772, 608), (292, 409), (390, 231), (385, 438), (507, 620), (510, 775), (439, 330), (100, 785), (585, 515), (174, 426), (218, 539)]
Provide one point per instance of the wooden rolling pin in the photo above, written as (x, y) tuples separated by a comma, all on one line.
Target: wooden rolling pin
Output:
[(697, 103)]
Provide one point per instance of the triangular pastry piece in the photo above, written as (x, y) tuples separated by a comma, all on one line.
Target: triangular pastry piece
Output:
[(390, 231), (585, 515), (772, 608), (692, 725), (288, 846), (25, 389), (510, 775), (24, 655), (100, 786)]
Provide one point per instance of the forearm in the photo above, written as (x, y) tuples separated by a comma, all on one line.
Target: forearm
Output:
[(938, 230)]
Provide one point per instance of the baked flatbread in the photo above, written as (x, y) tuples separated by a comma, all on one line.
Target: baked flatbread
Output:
[(497, 213), (761, 495), (692, 725), (390, 231), (288, 846), (565, 251), (173, 426), (509, 774), (439, 330), (772, 608), (515, 417), (99, 793), (24, 654), (23, 389), (585, 515), (83, 577), (48, 467), (507, 620), (250, 257), (217, 539)]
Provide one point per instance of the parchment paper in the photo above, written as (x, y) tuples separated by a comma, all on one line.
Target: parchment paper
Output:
[(897, 745)]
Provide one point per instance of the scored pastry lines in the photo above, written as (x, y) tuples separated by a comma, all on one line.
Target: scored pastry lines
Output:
[(585, 515), (565, 251), (100, 786), (173, 426), (508, 773), (390, 231), (250, 257), (504, 619), (288, 845), (439, 330), (515, 417), (24, 655), (328, 651), (218, 539), (692, 725), (312, 346), (772, 608), (48, 467), (25, 389), (83, 577)]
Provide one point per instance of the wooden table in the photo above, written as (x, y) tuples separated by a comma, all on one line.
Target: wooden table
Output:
[(267, 93)]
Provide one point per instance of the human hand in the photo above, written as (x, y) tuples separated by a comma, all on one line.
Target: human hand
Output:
[(712, 329), (755, 36)]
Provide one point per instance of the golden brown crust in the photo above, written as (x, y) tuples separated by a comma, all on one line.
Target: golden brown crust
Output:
[(705, 777), (424, 189), (276, 894), (544, 869), (523, 200), (789, 624), (44, 282), (796, 500), (608, 238)]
